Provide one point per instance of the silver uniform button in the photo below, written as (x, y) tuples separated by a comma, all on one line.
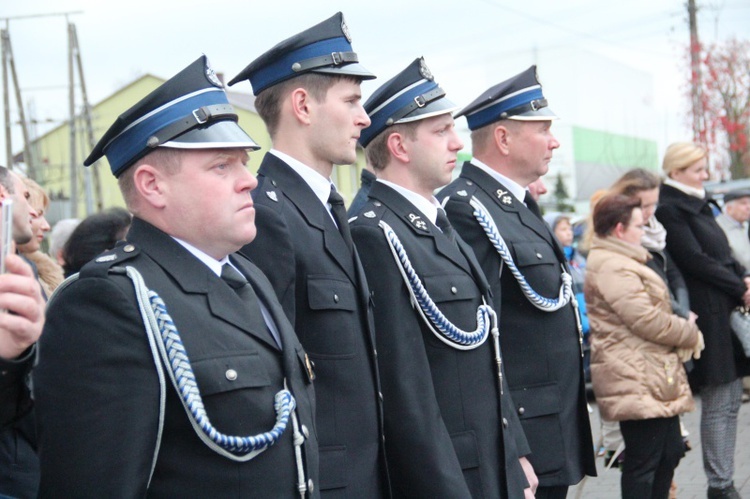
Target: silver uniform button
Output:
[(335, 297), (305, 431), (539, 255), (128, 248), (505, 423), (231, 374), (521, 410), (454, 290), (310, 486)]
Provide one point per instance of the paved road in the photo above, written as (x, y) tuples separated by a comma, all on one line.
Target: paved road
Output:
[(690, 478)]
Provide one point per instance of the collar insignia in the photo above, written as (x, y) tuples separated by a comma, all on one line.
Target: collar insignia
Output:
[(507, 200), (106, 258), (369, 214), (417, 222), (272, 196), (462, 193)]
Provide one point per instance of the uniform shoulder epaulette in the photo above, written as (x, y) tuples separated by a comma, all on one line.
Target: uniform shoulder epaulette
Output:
[(462, 190), (268, 194), (370, 214), (110, 260)]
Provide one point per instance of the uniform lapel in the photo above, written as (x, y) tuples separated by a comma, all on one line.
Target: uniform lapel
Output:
[(297, 191), (418, 222), (507, 202), (193, 277)]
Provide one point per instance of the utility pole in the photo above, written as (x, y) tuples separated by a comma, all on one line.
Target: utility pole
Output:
[(696, 80)]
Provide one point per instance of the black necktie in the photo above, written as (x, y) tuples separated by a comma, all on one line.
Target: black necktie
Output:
[(245, 291), (445, 225), (339, 215), (531, 205)]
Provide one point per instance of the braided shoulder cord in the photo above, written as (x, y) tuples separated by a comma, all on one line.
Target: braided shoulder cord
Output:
[(159, 325), (542, 303), (440, 326)]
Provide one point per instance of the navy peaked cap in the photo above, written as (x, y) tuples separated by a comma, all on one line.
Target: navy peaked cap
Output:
[(518, 98), (325, 48), (188, 111), (409, 96)]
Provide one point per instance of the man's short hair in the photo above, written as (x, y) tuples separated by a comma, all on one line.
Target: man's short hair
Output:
[(377, 151), (484, 137), (167, 159), (268, 102)]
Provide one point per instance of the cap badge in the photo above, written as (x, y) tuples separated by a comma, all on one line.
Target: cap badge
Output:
[(369, 214), (425, 71), (211, 75), (462, 193), (272, 196), (417, 221), (345, 30)]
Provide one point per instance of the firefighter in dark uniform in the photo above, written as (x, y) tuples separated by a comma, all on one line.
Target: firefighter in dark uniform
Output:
[(449, 419), (491, 208), (308, 94), (167, 366)]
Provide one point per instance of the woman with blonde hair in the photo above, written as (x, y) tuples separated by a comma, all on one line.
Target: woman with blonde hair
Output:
[(716, 284), (637, 348), (49, 271)]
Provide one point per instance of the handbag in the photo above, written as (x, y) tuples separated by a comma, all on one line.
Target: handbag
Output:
[(739, 320)]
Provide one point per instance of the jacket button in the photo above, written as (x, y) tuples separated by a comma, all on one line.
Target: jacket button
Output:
[(454, 290), (539, 255), (335, 297), (380, 396), (310, 486), (521, 410), (305, 431), (128, 248), (505, 423), (231, 374)]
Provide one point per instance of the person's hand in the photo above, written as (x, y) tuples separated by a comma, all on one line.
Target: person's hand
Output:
[(684, 354), (699, 346), (531, 477), (21, 308), (692, 317)]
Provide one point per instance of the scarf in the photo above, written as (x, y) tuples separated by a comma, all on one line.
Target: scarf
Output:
[(654, 235)]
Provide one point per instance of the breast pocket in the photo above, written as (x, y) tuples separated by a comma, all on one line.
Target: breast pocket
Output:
[(333, 321), (537, 262), (235, 372)]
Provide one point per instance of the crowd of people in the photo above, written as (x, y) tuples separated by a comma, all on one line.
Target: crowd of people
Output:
[(229, 335)]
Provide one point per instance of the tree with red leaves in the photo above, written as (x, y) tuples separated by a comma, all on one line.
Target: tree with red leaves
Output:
[(724, 90)]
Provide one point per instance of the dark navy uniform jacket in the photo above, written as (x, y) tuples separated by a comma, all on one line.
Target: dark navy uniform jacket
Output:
[(449, 431), (542, 350), (324, 293), (97, 391)]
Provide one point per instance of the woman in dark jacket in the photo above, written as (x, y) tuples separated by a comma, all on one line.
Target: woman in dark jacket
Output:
[(716, 285)]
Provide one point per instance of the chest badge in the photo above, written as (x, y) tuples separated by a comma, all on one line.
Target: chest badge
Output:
[(417, 222)]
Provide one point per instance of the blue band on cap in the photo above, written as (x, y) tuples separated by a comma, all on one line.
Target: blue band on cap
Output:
[(380, 118), (492, 113), (281, 69), (133, 141)]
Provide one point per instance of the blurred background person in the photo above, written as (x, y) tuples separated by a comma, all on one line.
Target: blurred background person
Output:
[(637, 374), (95, 234), (715, 284), (59, 236), (49, 272)]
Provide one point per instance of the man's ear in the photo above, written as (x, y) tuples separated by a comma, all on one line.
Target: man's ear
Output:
[(3, 192), (149, 182), (397, 146), (619, 230), (501, 136), (299, 100)]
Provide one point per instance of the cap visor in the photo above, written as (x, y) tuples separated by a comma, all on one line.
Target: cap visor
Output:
[(353, 69), (220, 135), (543, 114)]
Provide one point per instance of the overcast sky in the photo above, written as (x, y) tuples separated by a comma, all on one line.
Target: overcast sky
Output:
[(464, 42)]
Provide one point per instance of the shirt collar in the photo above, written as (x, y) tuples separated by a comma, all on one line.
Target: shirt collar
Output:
[(211, 262), (428, 207), (518, 191), (691, 191), (320, 185)]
